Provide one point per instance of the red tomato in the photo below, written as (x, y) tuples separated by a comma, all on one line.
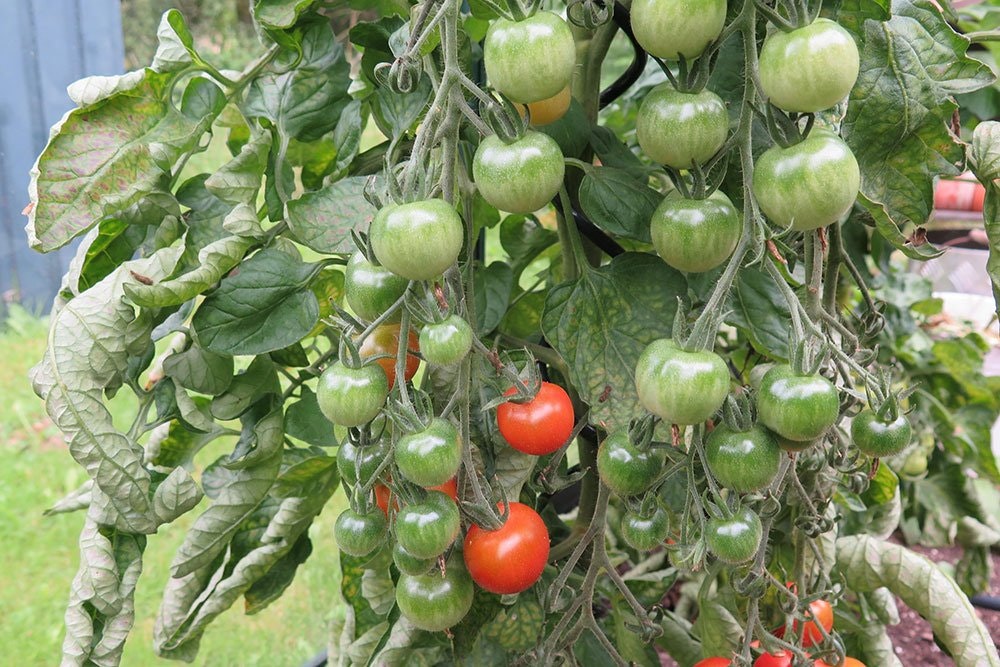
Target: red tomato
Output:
[(511, 559), (382, 493), (848, 662), (779, 659), (822, 613), (540, 426), (714, 662), (385, 340)]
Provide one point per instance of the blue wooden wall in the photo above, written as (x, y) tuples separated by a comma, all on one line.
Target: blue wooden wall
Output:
[(44, 46)]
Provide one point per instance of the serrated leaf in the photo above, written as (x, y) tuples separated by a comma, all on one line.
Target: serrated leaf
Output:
[(760, 312), (601, 323), (618, 203), (105, 156), (868, 563), (200, 370), (323, 219), (87, 352), (899, 112), (303, 101), (175, 49), (238, 181), (263, 307)]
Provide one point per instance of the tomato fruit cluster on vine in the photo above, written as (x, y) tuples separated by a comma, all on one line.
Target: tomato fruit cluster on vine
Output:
[(410, 465)]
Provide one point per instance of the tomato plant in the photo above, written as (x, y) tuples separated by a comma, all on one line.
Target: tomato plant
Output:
[(539, 426), (666, 314), (510, 559)]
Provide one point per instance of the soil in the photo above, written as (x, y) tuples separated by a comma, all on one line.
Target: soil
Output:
[(913, 638)]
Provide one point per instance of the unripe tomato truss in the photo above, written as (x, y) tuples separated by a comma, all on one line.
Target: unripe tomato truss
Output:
[(595, 311)]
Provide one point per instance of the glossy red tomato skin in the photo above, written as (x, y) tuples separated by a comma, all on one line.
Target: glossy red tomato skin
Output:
[(714, 662), (385, 341), (511, 559), (540, 426), (779, 659)]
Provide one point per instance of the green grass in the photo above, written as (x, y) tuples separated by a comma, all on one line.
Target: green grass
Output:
[(39, 555)]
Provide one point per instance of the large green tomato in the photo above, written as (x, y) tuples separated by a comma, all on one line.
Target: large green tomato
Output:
[(669, 29), (678, 129), (678, 386), (417, 241), (878, 438), (626, 469), (735, 539), (352, 396), (427, 528), (797, 407), (432, 456), (695, 235), (433, 602), (529, 60), (522, 176), (808, 185), (743, 461), (809, 69), (371, 289)]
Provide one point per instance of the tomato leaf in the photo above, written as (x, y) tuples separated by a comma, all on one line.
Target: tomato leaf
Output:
[(266, 306), (986, 164), (200, 370), (867, 563), (107, 154), (760, 312), (279, 14), (618, 203), (175, 49), (492, 295), (601, 323), (718, 629), (238, 181), (323, 219), (898, 126)]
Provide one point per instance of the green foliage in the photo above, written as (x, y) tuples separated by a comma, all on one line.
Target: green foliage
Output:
[(214, 301)]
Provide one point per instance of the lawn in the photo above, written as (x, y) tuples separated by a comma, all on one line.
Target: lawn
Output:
[(40, 557)]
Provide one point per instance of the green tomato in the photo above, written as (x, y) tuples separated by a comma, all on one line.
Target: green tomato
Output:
[(800, 408), (915, 464), (878, 438), (678, 129), (427, 528), (624, 468), (371, 289), (678, 386), (809, 69), (432, 456), (356, 463), (529, 60), (433, 602), (417, 241), (352, 396), (669, 29), (644, 533), (360, 534), (695, 235), (734, 540), (410, 564), (522, 176), (743, 461), (809, 185), (447, 342)]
